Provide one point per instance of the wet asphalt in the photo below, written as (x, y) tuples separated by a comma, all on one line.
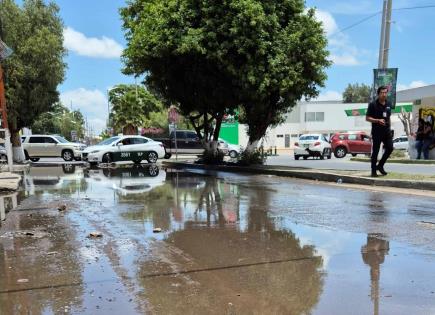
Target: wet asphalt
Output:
[(193, 242)]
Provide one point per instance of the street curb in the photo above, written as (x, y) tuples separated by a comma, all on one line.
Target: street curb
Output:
[(413, 162), (310, 175)]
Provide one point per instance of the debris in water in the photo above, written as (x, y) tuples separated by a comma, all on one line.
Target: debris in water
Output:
[(157, 230), (96, 234), (62, 207), (22, 280)]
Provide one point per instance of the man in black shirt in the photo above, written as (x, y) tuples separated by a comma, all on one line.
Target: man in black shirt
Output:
[(379, 113)]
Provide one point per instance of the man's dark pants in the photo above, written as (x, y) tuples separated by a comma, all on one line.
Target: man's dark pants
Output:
[(377, 139)]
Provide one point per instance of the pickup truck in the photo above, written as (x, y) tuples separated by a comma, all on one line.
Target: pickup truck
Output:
[(187, 143)]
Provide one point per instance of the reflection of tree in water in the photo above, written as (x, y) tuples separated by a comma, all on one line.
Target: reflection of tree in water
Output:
[(260, 270), (18, 260), (373, 254)]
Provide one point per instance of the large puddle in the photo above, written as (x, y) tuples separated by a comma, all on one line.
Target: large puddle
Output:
[(192, 242)]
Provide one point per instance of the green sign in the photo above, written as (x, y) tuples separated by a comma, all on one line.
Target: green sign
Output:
[(406, 107), (230, 128), (385, 77)]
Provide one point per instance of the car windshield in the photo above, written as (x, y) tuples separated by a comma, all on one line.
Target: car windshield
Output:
[(309, 137), (108, 141), (61, 139)]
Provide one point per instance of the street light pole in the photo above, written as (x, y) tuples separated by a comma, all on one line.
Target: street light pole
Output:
[(384, 45)]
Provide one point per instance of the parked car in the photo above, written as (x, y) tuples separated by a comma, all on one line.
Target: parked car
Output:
[(233, 150), (187, 142), (401, 143), (124, 148), (314, 145), (351, 143), (38, 146)]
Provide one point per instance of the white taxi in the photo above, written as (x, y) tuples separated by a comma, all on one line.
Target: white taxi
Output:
[(124, 148), (314, 145)]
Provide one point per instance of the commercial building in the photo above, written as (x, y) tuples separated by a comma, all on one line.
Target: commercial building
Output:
[(329, 117)]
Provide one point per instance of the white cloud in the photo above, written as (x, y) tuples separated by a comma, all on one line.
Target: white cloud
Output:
[(329, 96), (412, 85), (92, 104), (343, 52), (103, 47)]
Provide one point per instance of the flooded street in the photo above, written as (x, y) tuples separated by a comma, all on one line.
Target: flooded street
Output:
[(193, 242)]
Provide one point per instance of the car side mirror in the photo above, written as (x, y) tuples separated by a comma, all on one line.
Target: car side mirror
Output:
[(119, 144)]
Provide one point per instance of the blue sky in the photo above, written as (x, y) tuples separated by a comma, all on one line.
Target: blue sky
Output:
[(94, 39)]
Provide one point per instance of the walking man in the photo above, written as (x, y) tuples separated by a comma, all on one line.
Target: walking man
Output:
[(378, 113)]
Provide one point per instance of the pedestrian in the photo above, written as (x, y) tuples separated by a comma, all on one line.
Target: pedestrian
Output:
[(419, 137), (379, 113), (427, 139)]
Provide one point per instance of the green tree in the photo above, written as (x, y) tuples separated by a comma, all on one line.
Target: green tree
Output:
[(356, 93), (133, 107), (169, 42), (210, 57), (60, 120), (35, 33)]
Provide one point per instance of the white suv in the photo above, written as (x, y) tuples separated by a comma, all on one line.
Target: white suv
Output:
[(38, 146), (314, 145)]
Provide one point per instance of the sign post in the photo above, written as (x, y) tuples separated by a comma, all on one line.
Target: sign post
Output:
[(385, 77), (173, 119)]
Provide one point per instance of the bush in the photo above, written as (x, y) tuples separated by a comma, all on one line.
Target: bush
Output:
[(258, 157)]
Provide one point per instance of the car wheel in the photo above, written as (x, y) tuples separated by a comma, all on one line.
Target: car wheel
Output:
[(4, 157), (167, 155), (152, 157), (67, 155), (34, 159), (68, 168), (26, 155), (153, 170), (353, 154), (233, 154), (296, 157), (107, 158), (340, 152)]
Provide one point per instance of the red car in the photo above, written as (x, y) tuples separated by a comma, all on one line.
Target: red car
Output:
[(351, 142)]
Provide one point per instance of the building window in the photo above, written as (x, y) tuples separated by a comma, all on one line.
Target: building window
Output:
[(314, 116)]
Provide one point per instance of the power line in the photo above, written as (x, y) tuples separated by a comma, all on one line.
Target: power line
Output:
[(377, 13), (355, 24)]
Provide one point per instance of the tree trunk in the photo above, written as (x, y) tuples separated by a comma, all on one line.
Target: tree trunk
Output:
[(251, 147), (17, 149), (129, 130)]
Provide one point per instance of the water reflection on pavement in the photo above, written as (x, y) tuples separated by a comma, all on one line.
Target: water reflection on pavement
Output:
[(229, 244)]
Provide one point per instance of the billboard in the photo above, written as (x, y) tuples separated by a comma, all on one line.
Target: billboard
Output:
[(388, 78)]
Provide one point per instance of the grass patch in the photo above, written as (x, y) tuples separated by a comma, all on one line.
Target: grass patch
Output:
[(398, 161)]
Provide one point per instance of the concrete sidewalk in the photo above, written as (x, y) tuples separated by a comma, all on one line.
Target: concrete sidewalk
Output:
[(312, 174)]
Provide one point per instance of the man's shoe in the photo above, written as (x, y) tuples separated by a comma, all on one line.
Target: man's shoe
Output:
[(374, 174), (381, 170)]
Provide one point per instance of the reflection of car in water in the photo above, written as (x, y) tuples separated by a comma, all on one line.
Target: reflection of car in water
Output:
[(52, 176), (129, 180)]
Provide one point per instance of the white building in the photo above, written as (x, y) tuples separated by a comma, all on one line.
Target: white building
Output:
[(326, 117), (329, 117)]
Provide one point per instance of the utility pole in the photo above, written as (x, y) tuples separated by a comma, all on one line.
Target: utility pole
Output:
[(384, 45)]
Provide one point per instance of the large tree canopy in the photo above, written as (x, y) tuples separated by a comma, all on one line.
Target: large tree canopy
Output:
[(35, 33), (210, 56)]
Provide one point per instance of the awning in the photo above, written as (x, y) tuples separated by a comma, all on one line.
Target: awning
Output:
[(406, 107)]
